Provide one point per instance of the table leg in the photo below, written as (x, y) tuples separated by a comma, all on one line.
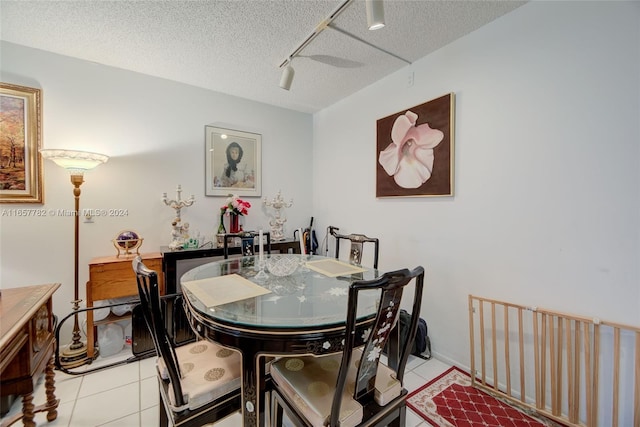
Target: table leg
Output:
[(253, 388), (249, 385), (27, 410), (50, 389), (261, 390)]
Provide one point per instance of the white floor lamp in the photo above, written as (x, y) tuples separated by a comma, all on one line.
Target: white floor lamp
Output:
[(76, 162)]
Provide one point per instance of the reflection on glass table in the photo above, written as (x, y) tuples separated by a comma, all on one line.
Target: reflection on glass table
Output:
[(306, 296), (239, 303)]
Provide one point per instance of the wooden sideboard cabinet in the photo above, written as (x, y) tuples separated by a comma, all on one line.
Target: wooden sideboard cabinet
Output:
[(113, 277), (27, 346)]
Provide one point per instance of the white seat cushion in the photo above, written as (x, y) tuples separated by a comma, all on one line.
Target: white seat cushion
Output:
[(310, 383), (387, 386), (209, 371)]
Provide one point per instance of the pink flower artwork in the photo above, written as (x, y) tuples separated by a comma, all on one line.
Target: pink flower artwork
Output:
[(409, 157)]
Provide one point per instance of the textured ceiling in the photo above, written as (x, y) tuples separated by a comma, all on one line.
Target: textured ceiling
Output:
[(236, 46)]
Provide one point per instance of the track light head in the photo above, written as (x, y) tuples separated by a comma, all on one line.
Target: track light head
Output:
[(375, 14), (287, 77)]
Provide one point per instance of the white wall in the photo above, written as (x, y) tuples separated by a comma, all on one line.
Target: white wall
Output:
[(153, 129), (547, 183), (546, 209)]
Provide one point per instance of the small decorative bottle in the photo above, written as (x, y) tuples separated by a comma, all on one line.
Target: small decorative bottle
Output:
[(221, 232), (221, 229)]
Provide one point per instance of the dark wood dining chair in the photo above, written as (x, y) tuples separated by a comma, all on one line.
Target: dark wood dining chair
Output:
[(357, 242), (199, 382), (353, 388), (250, 244)]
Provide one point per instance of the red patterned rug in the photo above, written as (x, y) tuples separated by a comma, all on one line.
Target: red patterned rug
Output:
[(450, 401)]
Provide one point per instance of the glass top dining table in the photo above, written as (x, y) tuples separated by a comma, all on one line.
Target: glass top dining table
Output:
[(241, 303)]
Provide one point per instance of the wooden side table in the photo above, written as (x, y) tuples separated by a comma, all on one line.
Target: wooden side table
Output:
[(113, 277), (27, 346)]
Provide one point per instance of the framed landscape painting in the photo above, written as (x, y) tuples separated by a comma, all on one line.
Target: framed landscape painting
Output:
[(414, 150), (232, 162), (20, 143)]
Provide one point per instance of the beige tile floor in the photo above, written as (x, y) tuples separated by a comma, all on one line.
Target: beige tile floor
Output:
[(127, 395)]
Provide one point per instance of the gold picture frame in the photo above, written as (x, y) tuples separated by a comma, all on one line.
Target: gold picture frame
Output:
[(415, 150), (20, 143)]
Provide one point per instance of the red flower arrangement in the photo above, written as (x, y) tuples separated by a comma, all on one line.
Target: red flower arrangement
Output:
[(235, 205)]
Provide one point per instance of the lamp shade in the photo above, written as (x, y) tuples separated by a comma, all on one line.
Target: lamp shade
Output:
[(74, 161), (375, 14)]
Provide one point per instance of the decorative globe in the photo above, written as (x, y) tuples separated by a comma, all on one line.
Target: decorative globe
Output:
[(127, 240)]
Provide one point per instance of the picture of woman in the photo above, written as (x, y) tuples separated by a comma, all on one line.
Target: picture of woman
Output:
[(233, 162), (234, 174)]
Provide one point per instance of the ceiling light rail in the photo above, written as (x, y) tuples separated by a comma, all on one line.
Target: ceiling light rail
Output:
[(321, 26), (375, 20)]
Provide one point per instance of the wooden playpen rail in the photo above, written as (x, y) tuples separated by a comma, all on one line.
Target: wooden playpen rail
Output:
[(574, 370)]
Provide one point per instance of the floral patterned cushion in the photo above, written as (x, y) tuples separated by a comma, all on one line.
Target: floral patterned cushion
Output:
[(309, 382), (209, 371)]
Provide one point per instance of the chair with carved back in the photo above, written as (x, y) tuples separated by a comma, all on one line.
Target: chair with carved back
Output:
[(353, 388), (199, 382), (250, 244), (357, 242)]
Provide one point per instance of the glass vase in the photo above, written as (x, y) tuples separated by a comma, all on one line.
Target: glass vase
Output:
[(234, 224)]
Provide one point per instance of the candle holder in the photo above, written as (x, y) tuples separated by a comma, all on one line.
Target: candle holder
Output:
[(261, 276), (277, 223), (302, 263), (180, 231)]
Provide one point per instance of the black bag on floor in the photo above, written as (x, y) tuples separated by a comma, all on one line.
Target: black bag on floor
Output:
[(422, 344)]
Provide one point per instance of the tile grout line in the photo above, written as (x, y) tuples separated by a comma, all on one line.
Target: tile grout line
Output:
[(75, 401)]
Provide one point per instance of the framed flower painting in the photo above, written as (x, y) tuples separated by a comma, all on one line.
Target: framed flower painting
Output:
[(415, 150)]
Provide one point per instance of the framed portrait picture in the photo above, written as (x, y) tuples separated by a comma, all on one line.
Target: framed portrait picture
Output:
[(232, 162), (414, 156), (20, 143)]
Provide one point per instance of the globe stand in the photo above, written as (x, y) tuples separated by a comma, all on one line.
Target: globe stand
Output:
[(127, 241)]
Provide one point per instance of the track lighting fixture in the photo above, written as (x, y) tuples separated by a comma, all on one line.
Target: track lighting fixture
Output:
[(287, 76), (375, 20), (375, 14)]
